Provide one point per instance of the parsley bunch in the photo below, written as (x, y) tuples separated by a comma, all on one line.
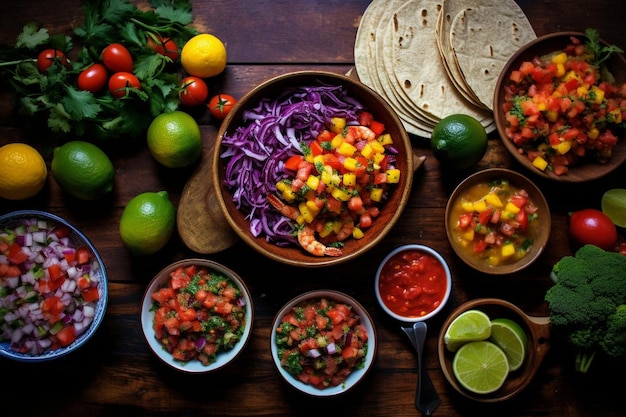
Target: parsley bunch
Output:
[(54, 98)]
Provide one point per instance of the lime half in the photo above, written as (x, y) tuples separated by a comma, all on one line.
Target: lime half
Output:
[(614, 205), (469, 326), (512, 339), (480, 367)]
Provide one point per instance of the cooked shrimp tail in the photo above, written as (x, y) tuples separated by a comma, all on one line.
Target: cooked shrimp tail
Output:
[(306, 239)]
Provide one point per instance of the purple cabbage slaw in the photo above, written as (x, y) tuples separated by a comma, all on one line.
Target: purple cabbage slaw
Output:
[(272, 132)]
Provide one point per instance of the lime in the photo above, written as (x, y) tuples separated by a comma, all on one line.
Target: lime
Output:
[(23, 171), (459, 141), (512, 339), (174, 139), (147, 223), (83, 170), (469, 326), (481, 367), (614, 205), (204, 56)]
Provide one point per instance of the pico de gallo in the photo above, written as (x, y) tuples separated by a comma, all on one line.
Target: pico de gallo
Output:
[(495, 222), (198, 314), (321, 342), (49, 288), (565, 108)]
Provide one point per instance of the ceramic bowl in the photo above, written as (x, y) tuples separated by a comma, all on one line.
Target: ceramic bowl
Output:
[(538, 229), (96, 269), (390, 211), (536, 328), (543, 45), (357, 373), (194, 366), (424, 303)]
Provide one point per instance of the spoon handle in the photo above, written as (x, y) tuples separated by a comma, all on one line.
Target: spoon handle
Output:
[(426, 397)]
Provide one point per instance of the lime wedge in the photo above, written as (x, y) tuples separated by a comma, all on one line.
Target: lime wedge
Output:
[(614, 205), (480, 367), (469, 326), (512, 339)]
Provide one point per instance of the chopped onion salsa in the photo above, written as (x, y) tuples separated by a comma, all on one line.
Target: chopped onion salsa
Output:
[(48, 291)]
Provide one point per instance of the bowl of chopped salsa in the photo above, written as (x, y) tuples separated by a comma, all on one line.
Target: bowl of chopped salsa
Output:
[(413, 283), (312, 168), (323, 343), (197, 315), (53, 287), (559, 106), (497, 221)]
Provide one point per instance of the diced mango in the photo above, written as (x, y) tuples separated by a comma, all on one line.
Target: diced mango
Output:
[(349, 179), (367, 151), (393, 176), (593, 133), (508, 249), (351, 164), (493, 200), (313, 182), (560, 69), (563, 147), (468, 235), (467, 206), (336, 141), (376, 194), (511, 208), (385, 139), (560, 58), (598, 94), (480, 206), (337, 124), (346, 149), (340, 194), (378, 158), (540, 163), (305, 212), (327, 229), (357, 233)]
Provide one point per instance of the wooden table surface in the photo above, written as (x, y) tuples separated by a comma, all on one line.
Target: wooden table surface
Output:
[(117, 374)]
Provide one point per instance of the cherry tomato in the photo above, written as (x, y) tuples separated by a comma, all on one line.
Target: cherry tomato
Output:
[(120, 82), (93, 78), (194, 91), (163, 46), (592, 227), (220, 105), (47, 57), (117, 58)]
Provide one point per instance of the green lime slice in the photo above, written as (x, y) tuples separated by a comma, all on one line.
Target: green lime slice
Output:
[(469, 326), (614, 205), (480, 367), (512, 339)]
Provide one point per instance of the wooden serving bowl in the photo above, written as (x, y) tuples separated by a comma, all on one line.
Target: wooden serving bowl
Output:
[(584, 171), (536, 196), (392, 208), (537, 329)]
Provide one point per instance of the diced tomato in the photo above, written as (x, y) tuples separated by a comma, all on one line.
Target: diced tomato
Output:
[(377, 127), (516, 76), (355, 204), (365, 221), (293, 162), (316, 148), (54, 271), (480, 245), (365, 118), (485, 216), (66, 335), (82, 256), (90, 294), (62, 231), (10, 271), (465, 220), (51, 308), (16, 255), (522, 218)]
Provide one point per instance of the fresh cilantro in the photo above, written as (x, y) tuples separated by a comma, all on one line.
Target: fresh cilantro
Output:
[(600, 52)]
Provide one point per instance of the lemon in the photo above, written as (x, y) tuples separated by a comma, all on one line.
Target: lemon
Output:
[(204, 56), (23, 171), (469, 326), (174, 139), (147, 223), (480, 367), (613, 204), (512, 339), (459, 141), (83, 170)]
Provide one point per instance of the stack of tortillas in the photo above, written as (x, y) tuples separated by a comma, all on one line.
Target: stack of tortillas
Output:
[(433, 58)]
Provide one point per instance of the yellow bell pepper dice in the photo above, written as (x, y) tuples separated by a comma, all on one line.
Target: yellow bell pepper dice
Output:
[(385, 139), (346, 149), (349, 179), (367, 151), (350, 164), (508, 249), (313, 182), (340, 194), (393, 176)]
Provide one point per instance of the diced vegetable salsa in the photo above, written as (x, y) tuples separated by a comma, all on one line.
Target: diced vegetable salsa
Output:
[(48, 289), (564, 108), (321, 342), (495, 222), (198, 314)]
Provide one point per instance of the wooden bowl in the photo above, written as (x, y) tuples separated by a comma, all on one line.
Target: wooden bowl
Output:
[(585, 171), (390, 212), (542, 232), (537, 329)]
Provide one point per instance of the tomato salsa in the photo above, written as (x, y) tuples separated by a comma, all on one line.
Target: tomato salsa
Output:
[(495, 222), (412, 283), (198, 313), (321, 341)]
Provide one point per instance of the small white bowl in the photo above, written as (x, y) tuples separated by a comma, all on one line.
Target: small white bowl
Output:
[(147, 317), (442, 300), (357, 374)]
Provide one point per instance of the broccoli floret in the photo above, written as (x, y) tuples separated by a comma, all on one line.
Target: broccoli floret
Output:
[(589, 288)]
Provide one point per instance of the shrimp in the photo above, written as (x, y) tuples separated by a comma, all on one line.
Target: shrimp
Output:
[(356, 133), (346, 229), (286, 210)]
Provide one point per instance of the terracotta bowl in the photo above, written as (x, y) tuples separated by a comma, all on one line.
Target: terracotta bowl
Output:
[(543, 45), (541, 234), (392, 208), (537, 329)]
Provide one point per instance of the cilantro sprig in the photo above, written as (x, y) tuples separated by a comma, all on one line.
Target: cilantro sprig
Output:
[(600, 51), (69, 112)]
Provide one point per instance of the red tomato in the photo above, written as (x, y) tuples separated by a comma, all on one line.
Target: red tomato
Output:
[(66, 335), (194, 91), (93, 78), (220, 105), (163, 46), (47, 57), (117, 58), (592, 227), (120, 82)]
